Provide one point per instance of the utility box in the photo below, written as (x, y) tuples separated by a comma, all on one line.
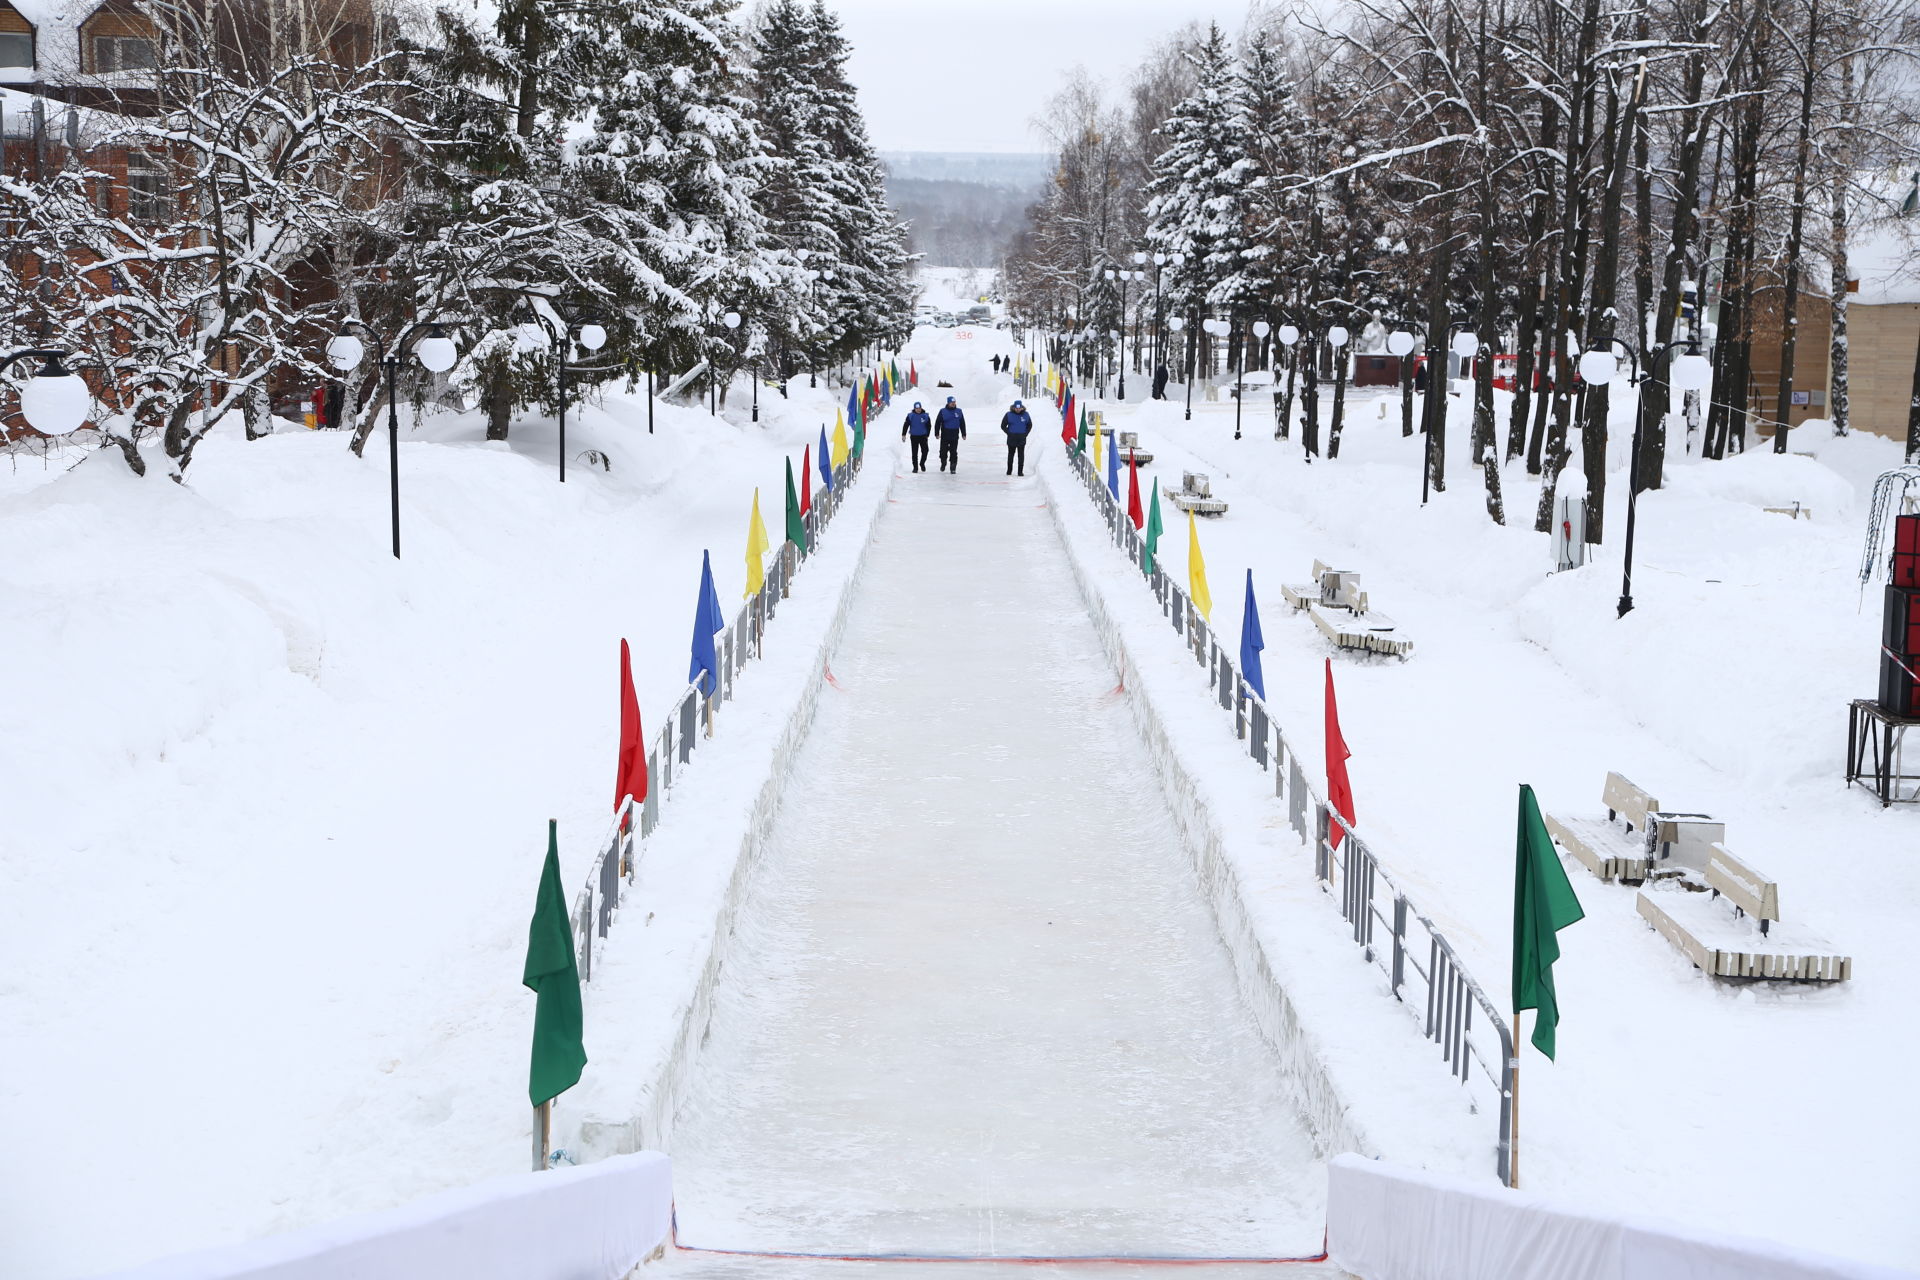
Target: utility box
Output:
[(1569, 533)]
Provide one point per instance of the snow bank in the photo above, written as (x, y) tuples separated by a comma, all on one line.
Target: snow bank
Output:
[(1352, 1051), (659, 972), (1391, 1223), (592, 1223), (275, 804)]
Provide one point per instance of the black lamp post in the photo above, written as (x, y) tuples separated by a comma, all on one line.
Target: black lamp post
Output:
[(1689, 371), (435, 352), (576, 324), (55, 401)]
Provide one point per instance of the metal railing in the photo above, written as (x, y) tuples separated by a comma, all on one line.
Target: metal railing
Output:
[(687, 725), (1391, 932)]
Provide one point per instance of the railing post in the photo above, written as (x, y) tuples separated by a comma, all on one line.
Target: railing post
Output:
[(1399, 975)]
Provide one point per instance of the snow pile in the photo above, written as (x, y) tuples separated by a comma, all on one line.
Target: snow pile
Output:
[(1723, 691), (276, 802)]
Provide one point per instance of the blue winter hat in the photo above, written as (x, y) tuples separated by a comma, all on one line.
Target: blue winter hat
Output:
[(1019, 404), (916, 404), (949, 399)]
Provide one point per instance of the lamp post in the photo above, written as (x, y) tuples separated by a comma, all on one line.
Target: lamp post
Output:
[(55, 401), (1687, 371), (1125, 276), (435, 352), (1260, 330), (575, 326), (1177, 324), (1159, 318)]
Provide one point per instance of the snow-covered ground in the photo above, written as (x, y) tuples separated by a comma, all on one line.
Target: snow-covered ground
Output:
[(275, 804), (1724, 691)]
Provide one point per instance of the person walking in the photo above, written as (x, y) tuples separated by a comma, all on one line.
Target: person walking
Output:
[(1017, 425), (918, 425), (995, 362), (1160, 382), (952, 425)]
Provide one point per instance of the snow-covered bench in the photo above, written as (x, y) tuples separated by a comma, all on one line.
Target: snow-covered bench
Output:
[(1735, 929), (1609, 848), (1340, 610), (1130, 448), (1195, 494)]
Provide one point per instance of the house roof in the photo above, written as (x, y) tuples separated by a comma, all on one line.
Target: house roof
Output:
[(57, 26)]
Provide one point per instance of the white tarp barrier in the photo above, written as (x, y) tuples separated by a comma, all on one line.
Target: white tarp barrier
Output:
[(595, 1222), (1389, 1223)]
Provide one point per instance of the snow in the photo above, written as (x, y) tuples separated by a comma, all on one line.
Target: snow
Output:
[(958, 1015), (276, 803), (1724, 691), (275, 807)]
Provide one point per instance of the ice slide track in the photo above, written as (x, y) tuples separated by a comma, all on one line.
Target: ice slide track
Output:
[(992, 1021)]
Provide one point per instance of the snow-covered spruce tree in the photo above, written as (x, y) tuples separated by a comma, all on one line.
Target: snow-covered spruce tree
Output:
[(874, 297), (490, 215), (670, 159), (1195, 201)]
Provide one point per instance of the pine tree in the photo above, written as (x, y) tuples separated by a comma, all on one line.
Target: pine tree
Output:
[(670, 161), (1196, 202)]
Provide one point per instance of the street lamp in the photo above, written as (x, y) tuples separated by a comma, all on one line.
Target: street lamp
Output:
[(55, 401), (435, 352), (1400, 346), (1686, 371), (573, 325)]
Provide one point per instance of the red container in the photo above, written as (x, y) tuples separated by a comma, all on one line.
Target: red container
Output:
[(1900, 653), (1905, 569)]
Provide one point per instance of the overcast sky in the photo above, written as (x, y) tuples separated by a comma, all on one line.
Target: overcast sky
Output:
[(970, 75)]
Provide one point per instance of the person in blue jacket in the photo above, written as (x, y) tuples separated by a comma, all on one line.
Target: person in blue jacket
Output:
[(952, 425), (1017, 425), (919, 426)]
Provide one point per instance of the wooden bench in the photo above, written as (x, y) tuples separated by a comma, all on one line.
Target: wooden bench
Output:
[(1195, 494), (1604, 847), (1339, 608), (1742, 936)]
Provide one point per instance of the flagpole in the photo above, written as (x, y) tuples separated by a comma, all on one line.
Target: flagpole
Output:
[(542, 1133), (1513, 1107)]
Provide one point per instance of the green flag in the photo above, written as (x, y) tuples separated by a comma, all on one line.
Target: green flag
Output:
[(796, 523), (559, 1052), (1543, 904), (1153, 530), (1080, 436)]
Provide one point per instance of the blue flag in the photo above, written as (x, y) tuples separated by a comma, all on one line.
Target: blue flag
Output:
[(853, 404), (708, 622), (1251, 643), (826, 462), (1113, 466)]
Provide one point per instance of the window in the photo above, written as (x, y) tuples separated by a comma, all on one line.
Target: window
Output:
[(16, 48), (146, 189), (123, 53)]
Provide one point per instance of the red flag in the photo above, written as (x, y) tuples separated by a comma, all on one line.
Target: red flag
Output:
[(630, 774), (1134, 513), (806, 481), (1339, 790), (913, 375), (1066, 423)]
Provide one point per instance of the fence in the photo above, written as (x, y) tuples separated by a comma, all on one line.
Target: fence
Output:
[(690, 723), (1421, 967)]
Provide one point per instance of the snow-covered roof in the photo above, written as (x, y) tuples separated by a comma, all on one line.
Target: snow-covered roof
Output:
[(56, 29)]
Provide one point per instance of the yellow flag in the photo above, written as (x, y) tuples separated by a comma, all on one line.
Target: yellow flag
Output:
[(1099, 468), (756, 548), (1197, 572), (839, 437)]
